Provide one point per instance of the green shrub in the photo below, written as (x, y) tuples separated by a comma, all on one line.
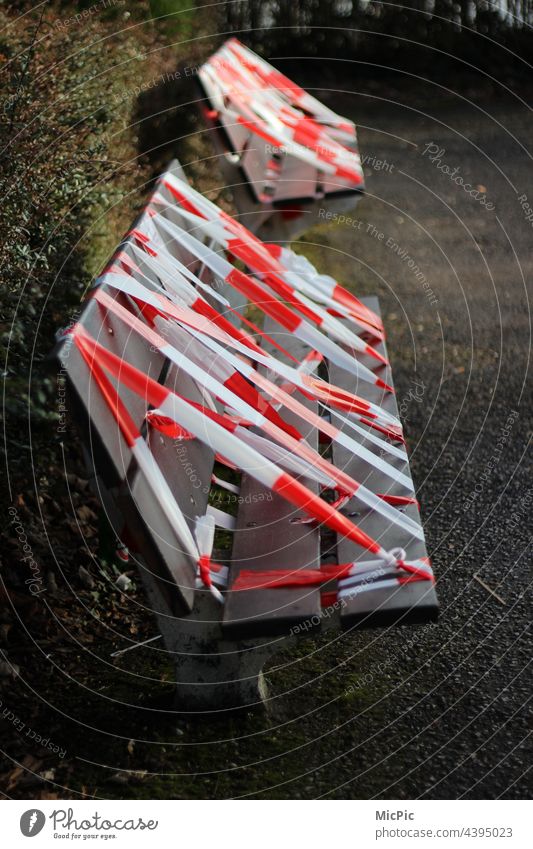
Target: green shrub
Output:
[(176, 16)]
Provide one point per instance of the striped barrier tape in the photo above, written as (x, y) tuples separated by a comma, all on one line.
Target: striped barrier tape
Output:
[(250, 95), (267, 419), (180, 410)]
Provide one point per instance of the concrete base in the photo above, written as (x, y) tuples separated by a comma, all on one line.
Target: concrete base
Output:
[(212, 674)]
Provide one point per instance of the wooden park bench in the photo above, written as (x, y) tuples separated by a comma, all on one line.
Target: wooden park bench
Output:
[(219, 651), (280, 177)]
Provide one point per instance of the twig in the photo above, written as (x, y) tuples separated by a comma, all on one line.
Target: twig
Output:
[(489, 590), (135, 646)]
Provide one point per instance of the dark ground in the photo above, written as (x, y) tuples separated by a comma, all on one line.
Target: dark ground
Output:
[(453, 710), (435, 712)]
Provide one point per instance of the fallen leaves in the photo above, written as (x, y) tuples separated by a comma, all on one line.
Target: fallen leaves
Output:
[(123, 583)]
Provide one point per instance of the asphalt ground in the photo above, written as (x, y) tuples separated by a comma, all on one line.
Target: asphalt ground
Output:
[(442, 711)]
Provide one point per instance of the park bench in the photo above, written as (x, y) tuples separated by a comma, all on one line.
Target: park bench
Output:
[(280, 174), (219, 650)]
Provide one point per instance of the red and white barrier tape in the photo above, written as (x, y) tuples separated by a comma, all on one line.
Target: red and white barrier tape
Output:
[(268, 303), (250, 94), (217, 438), (262, 258), (223, 361), (227, 334), (268, 420)]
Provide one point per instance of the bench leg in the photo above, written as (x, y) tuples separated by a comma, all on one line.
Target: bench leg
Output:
[(211, 673)]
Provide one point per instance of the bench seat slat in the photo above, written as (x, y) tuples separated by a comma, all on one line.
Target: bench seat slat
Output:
[(269, 537), (412, 602)]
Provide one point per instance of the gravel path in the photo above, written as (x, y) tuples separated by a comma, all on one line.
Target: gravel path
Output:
[(440, 712)]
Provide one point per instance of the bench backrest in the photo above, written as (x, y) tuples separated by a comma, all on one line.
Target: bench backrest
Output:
[(187, 466)]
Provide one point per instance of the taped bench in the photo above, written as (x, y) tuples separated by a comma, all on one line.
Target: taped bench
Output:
[(284, 154), (136, 453)]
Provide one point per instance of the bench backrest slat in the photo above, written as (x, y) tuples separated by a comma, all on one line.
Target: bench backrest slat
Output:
[(187, 466), (270, 537)]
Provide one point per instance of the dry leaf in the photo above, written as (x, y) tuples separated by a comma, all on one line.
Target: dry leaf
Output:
[(86, 578), (86, 514), (13, 778), (5, 628)]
